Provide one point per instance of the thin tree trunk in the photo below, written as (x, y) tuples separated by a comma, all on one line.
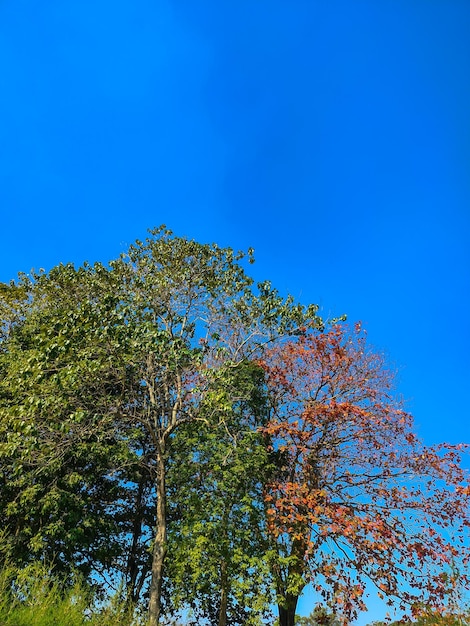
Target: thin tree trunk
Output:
[(160, 547), (223, 594), (287, 612), (132, 564)]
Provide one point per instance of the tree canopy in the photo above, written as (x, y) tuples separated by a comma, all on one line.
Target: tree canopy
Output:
[(176, 431), (357, 497)]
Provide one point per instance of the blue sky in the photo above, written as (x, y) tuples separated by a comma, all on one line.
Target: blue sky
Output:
[(333, 137)]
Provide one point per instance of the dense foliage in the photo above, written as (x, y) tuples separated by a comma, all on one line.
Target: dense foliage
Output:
[(203, 447)]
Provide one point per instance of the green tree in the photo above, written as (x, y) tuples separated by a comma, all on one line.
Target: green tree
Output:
[(102, 365), (320, 616), (56, 469), (218, 507)]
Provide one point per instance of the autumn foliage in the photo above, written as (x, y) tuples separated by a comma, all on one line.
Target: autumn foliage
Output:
[(355, 496)]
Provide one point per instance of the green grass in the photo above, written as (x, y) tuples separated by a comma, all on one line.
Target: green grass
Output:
[(34, 597)]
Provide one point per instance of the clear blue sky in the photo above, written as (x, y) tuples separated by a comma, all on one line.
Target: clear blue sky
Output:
[(333, 137)]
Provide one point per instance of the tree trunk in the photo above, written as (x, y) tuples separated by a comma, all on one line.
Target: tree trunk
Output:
[(223, 594), (132, 562), (160, 547), (287, 611)]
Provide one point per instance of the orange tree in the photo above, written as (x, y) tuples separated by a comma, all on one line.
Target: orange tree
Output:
[(356, 496)]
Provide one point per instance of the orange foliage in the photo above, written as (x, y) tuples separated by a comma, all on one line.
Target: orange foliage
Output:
[(356, 495)]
